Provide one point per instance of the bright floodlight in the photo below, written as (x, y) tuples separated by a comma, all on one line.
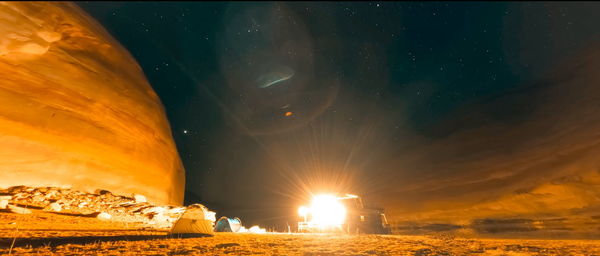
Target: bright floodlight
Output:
[(327, 211)]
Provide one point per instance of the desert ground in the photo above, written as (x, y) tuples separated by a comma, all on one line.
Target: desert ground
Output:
[(43, 233)]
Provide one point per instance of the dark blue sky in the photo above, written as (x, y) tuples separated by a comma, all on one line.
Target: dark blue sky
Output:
[(370, 80)]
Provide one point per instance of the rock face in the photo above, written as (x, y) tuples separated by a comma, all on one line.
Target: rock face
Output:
[(534, 168), (77, 109), (102, 205)]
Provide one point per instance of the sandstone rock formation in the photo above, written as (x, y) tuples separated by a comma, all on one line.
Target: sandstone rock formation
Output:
[(102, 205), (534, 168), (77, 109)]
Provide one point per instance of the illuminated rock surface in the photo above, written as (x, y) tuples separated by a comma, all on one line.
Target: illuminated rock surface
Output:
[(77, 109), (102, 205), (535, 171)]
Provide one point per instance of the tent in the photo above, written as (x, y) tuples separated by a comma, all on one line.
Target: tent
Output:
[(196, 219), (225, 224)]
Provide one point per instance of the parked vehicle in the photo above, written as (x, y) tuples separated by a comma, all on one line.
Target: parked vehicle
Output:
[(347, 214)]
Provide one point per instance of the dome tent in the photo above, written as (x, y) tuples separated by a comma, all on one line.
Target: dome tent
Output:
[(225, 224), (196, 219)]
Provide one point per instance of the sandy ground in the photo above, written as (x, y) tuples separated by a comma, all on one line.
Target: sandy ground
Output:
[(52, 234)]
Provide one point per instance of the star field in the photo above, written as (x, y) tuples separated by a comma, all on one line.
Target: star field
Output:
[(384, 74)]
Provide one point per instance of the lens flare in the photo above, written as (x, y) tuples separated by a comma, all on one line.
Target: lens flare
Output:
[(303, 211)]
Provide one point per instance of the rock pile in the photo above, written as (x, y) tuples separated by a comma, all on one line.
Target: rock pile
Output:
[(102, 205)]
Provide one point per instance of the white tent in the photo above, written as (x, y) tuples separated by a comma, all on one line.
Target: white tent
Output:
[(225, 224), (196, 219)]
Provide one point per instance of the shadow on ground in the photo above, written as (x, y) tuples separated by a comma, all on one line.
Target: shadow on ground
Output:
[(82, 240)]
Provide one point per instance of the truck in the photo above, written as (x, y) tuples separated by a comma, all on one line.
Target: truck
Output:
[(346, 214), (364, 220)]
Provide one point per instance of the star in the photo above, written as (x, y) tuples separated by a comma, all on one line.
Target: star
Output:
[(185, 131)]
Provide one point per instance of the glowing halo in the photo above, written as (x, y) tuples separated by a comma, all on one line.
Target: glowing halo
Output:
[(325, 211)]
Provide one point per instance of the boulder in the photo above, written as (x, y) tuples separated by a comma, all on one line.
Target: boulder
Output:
[(55, 207), (19, 210), (104, 216), (139, 198), (4, 201)]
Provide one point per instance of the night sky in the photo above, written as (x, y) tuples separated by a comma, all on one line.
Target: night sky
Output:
[(415, 106)]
